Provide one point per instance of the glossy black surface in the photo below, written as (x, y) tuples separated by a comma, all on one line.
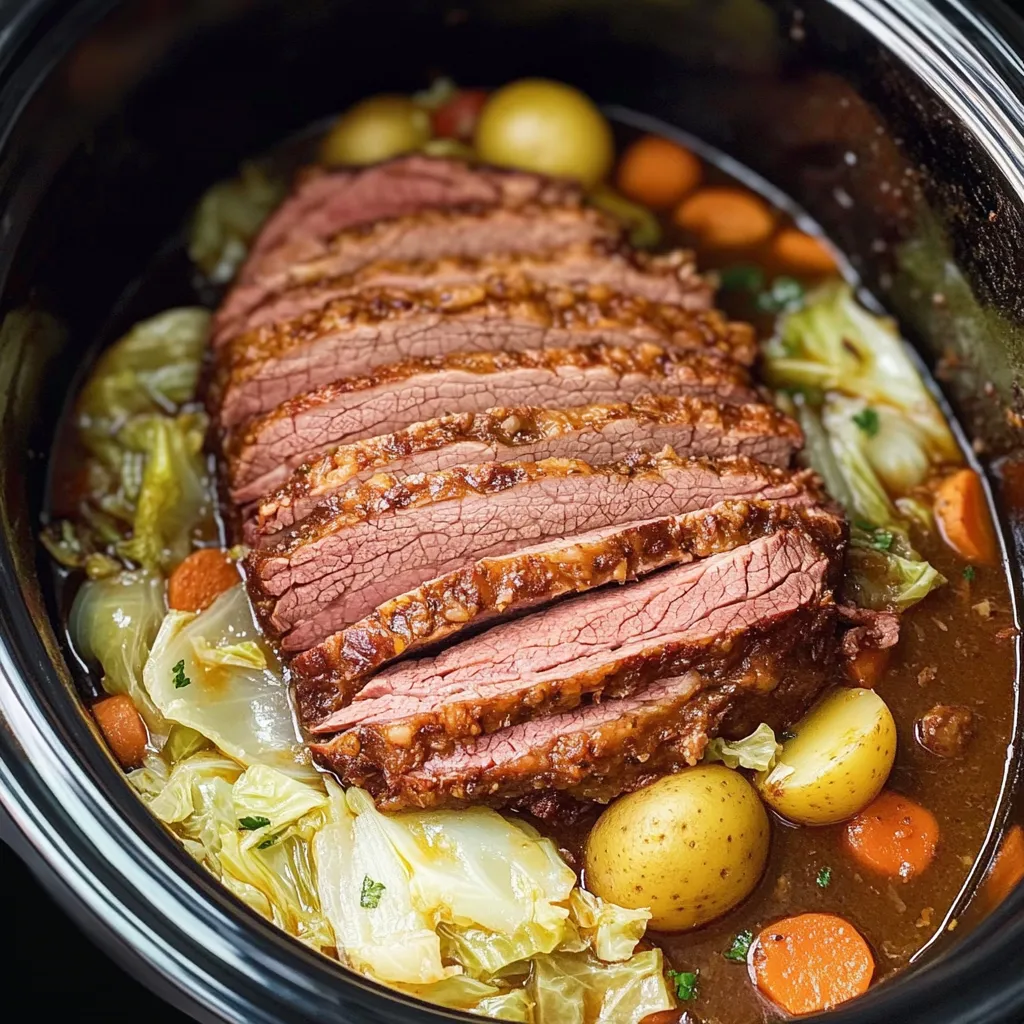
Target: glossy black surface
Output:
[(110, 127)]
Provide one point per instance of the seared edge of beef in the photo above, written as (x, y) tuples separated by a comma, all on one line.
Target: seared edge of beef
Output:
[(259, 369), (666, 277), (328, 675), (708, 615), (261, 454), (771, 436)]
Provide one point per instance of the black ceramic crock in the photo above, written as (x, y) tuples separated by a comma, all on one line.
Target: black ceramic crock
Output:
[(899, 125)]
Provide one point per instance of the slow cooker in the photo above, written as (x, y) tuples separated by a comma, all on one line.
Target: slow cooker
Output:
[(115, 116)]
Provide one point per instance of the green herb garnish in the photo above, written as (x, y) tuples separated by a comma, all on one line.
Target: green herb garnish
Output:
[(824, 878), (744, 277), (740, 947), (782, 295), (685, 983), (253, 822), (868, 421), (370, 894), (180, 679), (969, 573), (881, 540), (787, 734)]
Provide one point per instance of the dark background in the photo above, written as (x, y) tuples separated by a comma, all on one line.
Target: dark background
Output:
[(51, 963)]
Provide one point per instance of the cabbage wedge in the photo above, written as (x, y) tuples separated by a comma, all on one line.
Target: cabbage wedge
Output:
[(239, 703)]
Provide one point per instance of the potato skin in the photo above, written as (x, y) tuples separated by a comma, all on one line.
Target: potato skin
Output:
[(837, 761), (689, 847)]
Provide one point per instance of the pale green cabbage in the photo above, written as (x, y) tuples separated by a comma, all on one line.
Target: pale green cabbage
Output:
[(884, 580), (227, 219), (154, 368), (573, 989), (464, 993), (115, 621), (757, 751), (244, 710)]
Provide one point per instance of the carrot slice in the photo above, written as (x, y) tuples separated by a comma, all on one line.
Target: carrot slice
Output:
[(200, 579), (726, 218), (812, 962), (803, 253), (658, 173), (868, 666), (123, 728), (893, 836), (963, 517), (1007, 871)]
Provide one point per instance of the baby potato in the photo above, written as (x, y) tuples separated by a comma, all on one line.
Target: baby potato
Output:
[(837, 761), (375, 129), (548, 127), (689, 847)]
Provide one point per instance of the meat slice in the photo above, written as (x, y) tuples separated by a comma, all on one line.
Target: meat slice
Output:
[(669, 277), (329, 675), (261, 456), (427, 235), (395, 533), (598, 433), (259, 370), (712, 617)]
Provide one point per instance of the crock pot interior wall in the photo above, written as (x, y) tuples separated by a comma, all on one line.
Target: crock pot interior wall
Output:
[(160, 99)]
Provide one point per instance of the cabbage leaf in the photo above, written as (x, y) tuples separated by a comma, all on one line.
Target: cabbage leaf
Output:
[(114, 621), (611, 932), (571, 989), (758, 751), (461, 992), (227, 219), (884, 580), (244, 710)]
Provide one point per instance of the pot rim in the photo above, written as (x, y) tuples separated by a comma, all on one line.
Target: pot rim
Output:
[(123, 873)]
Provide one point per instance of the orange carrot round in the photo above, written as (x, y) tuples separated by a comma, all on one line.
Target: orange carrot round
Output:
[(811, 962), (657, 173), (802, 253), (893, 836), (726, 218), (123, 728), (1007, 871), (200, 579), (962, 512)]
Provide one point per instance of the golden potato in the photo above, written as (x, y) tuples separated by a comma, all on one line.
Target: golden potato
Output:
[(689, 847), (376, 129), (837, 761), (546, 127)]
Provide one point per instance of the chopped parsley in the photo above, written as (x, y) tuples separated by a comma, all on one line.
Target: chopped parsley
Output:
[(784, 293), (744, 277), (787, 734), (969, 573), (253, 822), (868, 421), (180, 679), (685, 983), (267, 843), (740, 947), (824, 878), (881, 540), (370, 894)]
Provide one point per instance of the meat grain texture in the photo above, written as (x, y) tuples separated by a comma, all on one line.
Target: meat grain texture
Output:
[(518, 512)]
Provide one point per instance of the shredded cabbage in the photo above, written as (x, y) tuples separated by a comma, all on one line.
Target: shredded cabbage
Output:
[(243, 709), (114, 621), (758, 751)]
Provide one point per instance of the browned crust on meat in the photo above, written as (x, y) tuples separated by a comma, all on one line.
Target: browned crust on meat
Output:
[(751, 659), (387, 493), (328, 675), (672, 272), (651, 361), (571, 310), (511, 427)]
